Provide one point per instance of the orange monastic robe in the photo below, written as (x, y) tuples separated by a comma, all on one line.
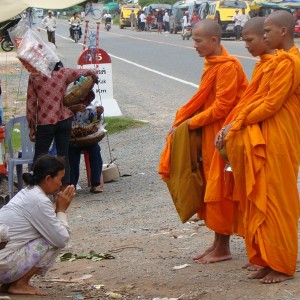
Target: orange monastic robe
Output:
[(263, 147), (220, 186), (222, 84)]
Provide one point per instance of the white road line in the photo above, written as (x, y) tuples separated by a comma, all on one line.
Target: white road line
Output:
[(145, 68), (154, 71)]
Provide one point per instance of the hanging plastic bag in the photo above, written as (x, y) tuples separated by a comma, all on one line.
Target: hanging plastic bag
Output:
[(36, 55), (17, 32)]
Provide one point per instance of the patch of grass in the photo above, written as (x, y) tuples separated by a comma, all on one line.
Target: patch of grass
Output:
[(117, 124), (116, 20)]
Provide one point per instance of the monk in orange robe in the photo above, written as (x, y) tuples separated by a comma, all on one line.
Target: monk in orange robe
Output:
[(220, 185), (263, 147), (222, 84)]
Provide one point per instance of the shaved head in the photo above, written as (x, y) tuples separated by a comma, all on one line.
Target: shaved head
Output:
[(256, 25), (253, 36), (283, 18), (210, 28)]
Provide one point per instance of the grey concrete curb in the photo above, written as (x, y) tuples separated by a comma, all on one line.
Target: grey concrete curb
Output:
[(8, 57)]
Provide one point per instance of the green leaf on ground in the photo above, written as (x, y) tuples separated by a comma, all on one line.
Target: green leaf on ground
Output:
[(69, 256)]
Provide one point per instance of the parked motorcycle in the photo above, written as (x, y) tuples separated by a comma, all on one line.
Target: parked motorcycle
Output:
[(76, 32), (186, 32), (6, 43), (107, 24)]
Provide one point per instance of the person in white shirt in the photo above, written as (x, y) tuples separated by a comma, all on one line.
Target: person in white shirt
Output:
[(143, 21), (185, 20), (237, 18), (107, 15), (37, 231), (166, 20), (49, 23), (244, 18), (107, 18)]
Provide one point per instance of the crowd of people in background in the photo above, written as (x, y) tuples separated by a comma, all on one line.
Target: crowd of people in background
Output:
[(160, 20), (155, 19)]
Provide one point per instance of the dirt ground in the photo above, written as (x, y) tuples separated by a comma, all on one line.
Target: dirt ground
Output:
[(134, 220)]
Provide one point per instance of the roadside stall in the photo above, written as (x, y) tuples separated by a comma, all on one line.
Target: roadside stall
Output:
[(263, 9)]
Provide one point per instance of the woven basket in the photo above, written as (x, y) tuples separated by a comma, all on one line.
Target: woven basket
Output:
[(79, 94), (82, 131), (88, 140), (83, 136)]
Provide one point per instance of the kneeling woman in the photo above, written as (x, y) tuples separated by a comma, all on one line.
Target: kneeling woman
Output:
[(37, 230)]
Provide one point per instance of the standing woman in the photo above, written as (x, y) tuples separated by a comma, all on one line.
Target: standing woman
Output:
[(49, 120), (37, 230)]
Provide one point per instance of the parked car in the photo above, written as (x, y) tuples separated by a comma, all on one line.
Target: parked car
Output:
[(125, 14), (223, 11)]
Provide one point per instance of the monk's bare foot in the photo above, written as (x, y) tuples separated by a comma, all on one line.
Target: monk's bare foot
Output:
[(275, 277), (260, 273), (4, 288), (215, 256), (245, 266), (25, 289), (208, 250), (251, 267)]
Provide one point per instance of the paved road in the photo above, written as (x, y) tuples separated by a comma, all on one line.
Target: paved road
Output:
[(166, 54)]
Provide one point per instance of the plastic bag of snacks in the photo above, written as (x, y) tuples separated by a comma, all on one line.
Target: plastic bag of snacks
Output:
[(36, 55)]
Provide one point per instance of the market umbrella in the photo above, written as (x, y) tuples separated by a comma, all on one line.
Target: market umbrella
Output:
[(11, 8)]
